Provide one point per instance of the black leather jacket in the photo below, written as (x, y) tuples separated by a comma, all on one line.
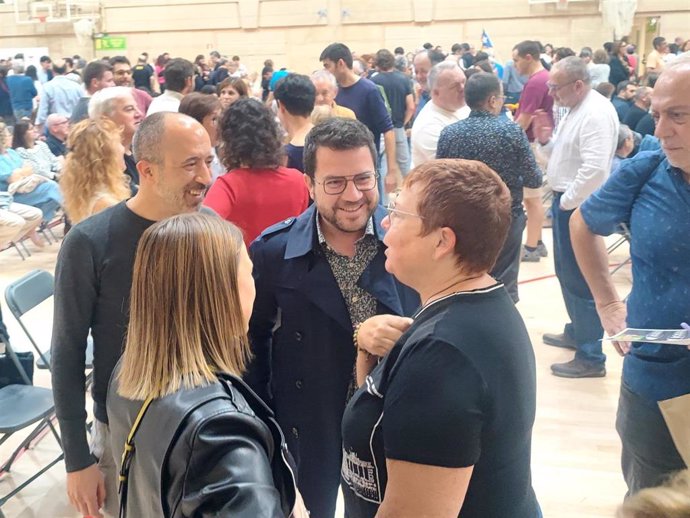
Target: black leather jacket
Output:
[(210, 451)]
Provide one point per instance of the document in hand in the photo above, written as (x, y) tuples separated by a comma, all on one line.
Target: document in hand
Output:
[(653, 336)]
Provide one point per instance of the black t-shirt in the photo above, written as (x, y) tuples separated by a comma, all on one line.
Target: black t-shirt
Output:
[(141, 74), (457, 390), (397, 87)]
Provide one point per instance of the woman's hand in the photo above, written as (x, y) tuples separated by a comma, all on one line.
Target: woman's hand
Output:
[(377, 335), (300, 510), (20, 173)]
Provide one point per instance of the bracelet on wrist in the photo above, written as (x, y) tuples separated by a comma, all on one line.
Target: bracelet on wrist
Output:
[(355, 341)]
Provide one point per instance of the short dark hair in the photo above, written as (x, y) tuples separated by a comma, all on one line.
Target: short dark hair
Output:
[(465, 46), (198, 105), (250, 136), (468, 197), (337, 134), (528, 48), (427, 46), (480, 56), (95, 70), (436, 57), (399, 50), (119, 60), (297, 93), (455, 48), (479, 87), (384, 59), (69, 62), (622, 86), (336, 51), (606, 89), (208, 90), (236, 83), (651, 79), (658, 41), (176, 73), (45, 59), (215, 54), (59, 67), (563, 52)]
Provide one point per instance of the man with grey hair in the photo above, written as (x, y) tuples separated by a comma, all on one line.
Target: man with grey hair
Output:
[(326, 90), (57, 127), (580, 155), (118, 104), (22, 90), (649, 193), (92, 283), (446, 83)]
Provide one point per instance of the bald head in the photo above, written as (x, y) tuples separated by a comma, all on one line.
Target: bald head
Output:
[(150, 140), (671, 109), (58, 125), (422, 66)]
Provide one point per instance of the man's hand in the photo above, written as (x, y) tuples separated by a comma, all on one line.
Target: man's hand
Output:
[(86, 490), (613, 317), (542, 127), (377, 335), (393, 179), (300, 510)]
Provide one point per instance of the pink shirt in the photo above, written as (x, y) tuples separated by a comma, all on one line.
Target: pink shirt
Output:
[(535, 96), (255, 199)]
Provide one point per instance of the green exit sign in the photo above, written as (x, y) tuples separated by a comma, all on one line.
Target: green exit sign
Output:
[(111, 43)]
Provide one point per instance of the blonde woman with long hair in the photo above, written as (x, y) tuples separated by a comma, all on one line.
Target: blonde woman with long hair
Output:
[(193, 438), (93, 176)]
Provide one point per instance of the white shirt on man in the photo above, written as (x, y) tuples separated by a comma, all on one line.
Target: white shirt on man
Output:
[(581, 150), (427, 129), (168, 101)]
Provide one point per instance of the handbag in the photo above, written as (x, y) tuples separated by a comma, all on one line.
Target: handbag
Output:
[(26, 184), (10, 375)]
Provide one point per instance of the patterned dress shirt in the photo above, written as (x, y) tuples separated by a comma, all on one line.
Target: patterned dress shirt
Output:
[(499, 143)]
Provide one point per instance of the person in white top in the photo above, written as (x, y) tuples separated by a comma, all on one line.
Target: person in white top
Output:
[(580, 155), (447, 105), (179, 81)]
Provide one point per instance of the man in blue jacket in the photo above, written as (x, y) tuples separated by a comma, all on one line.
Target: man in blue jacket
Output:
[(322, 293)]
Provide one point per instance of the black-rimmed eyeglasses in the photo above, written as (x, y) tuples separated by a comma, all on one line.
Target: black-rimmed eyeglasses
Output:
[(337, 184)]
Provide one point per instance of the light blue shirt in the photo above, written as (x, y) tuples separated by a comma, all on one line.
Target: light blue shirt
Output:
[(60, 95), (512, 81)]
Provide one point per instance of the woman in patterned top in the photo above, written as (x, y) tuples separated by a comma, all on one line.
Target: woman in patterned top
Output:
[(35, 152)]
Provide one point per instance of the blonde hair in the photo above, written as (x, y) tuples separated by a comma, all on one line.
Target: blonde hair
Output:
[(186, 321), (672, 500), (92, 168)]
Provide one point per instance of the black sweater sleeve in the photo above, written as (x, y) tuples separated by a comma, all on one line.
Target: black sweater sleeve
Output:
[(75, 296)]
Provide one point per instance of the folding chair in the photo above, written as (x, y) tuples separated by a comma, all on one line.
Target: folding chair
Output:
[(25, 294), (20, 407), (624, 237)]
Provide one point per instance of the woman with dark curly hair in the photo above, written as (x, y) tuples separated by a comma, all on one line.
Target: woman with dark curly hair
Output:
[(256, 192)]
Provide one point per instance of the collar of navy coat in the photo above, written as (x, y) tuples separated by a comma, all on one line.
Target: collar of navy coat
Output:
[(314, 278)]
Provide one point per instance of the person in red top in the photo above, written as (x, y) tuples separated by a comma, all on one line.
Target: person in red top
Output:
[(535, 98), (256, 192)]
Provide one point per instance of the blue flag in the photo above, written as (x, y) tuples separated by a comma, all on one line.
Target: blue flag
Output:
[(486, 41)]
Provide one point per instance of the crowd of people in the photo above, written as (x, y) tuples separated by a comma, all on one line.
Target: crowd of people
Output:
[(288, 278)]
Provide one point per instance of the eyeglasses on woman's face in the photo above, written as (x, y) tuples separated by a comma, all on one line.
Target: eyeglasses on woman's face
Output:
[(337, 184), (395, 214)]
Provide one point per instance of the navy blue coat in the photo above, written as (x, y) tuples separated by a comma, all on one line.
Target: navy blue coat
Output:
[(301, 337)]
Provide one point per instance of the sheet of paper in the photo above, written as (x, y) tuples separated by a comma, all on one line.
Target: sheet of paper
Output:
[(653, 336)]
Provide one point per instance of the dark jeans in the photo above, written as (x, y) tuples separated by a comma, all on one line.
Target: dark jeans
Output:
[(585, 327), (649, 455), (508, 263)]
